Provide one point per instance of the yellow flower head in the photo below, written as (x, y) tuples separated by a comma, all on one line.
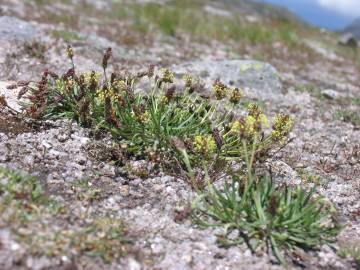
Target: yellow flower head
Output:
[(115, 91), (282, 126), (167, 75), (140, 113), (204, 144), (236, 127), (89, 76), (264, 120), (254, 110), (119, 86), (219, 89), (70, 52), (247, 127), (69, 83), (250, 125), (188, 79), (236, 95)]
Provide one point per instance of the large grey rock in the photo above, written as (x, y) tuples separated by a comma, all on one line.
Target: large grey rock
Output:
[(12, 28), (257, 79), (101, 43), (348, 39)]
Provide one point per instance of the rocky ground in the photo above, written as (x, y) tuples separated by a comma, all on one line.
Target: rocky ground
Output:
[(317, 84)]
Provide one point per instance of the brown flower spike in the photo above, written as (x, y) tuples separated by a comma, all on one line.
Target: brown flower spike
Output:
[(106, 58)]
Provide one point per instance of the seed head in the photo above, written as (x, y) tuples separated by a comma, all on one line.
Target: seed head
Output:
[(219, 89), (236, 127), (254, 110), (250, 125), (236, 95), (106, 58), (167, 76), (204, 145), (70, 52), (273, 205), (188, 79), (150, 72), (217, 138), (140, 113), (282, 126), (169, 94)]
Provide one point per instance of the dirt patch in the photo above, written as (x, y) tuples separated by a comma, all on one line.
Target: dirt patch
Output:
[(12, 125)]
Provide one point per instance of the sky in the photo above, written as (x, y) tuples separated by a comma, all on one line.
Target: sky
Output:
[(331, 14)]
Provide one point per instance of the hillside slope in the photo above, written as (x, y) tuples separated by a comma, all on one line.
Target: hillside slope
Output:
[(354, 28)]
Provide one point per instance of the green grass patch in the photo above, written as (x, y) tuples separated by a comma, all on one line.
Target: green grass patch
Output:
[(255, 212), (66, 35)]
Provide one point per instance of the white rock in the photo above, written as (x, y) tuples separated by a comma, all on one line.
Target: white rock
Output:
[(330, 94), (10, 95)]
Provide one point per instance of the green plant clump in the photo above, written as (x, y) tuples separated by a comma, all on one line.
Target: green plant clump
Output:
[(161, 121), (262, 215)]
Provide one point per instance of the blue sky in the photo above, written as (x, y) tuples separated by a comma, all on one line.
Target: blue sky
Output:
[(332, 14)]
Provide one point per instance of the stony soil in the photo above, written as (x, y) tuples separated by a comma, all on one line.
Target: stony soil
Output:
[(151, 203)]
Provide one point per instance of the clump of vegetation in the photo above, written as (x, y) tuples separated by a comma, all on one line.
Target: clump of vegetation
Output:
[(182, 131), (255, 212), (160, 122), (37, 222)]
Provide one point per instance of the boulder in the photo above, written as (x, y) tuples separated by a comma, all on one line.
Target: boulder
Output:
[(258, 79), (348, 40), (12, 28)]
